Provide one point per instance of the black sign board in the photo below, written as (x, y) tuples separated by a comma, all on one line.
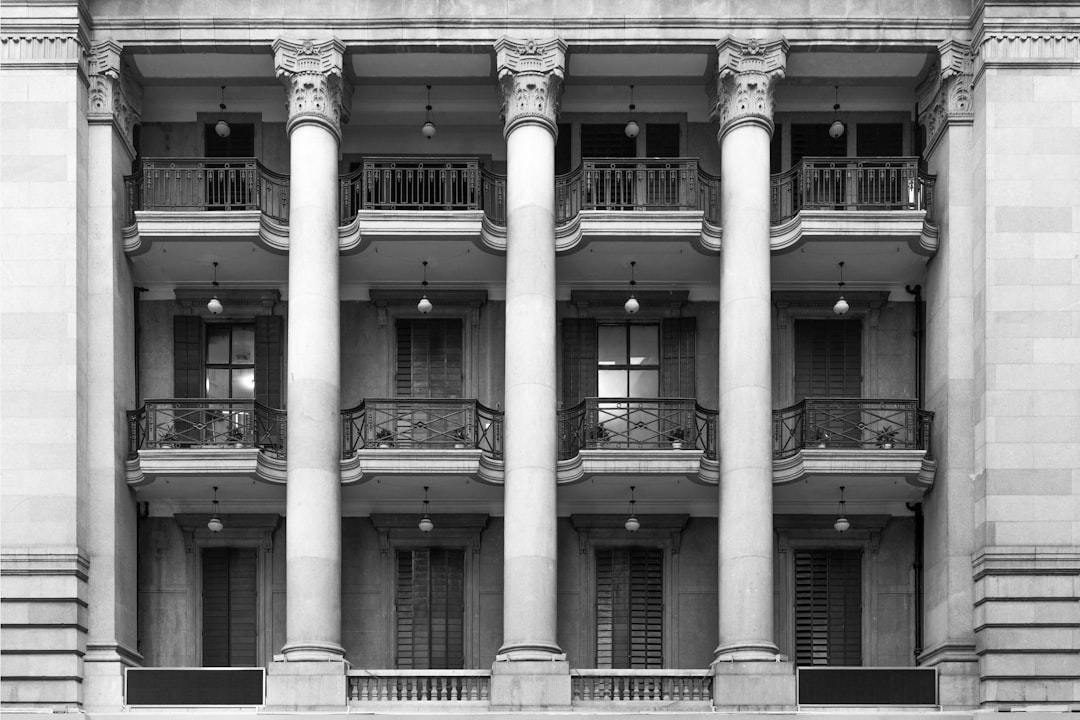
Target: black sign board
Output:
[(867, 686), (194, 686)]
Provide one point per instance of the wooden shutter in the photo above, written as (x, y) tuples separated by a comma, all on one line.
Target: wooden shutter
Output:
[(678, 370), (629, 608), (429, 358), (269, 351), (828, 358), (828, 607), (229, 607), (430, 608), (188, 378), (579, 379)]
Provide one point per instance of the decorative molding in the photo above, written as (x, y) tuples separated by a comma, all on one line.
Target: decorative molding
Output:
[(658, 303), (611, 529), (818, 304), (471, 299), (237, 302), (244, 526), (316, 90), (945, 93), (44, 50), (746, 74), (114, 96), (530, 76), (1041, 47)]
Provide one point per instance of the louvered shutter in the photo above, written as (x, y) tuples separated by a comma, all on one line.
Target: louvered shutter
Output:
[(269, 351), (828, 358), (430, 608), (678, 364), (429, 358), (828, 607), (229, 607), (629, 608), (579, 379), (188, 379)]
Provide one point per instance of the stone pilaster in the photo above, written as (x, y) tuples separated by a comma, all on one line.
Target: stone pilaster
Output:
[(312, 74), (745, 77), (530, 77)]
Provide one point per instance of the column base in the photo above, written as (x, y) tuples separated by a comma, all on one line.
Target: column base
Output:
[(103, 674), (312, 652), (958, 674), (540, 652), (306, 686), (535, 685), (747, 652), (756, 686)]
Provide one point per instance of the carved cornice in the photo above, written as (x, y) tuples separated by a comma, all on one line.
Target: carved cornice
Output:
[(1037, 46), (945, 92), (315, 88), (745, 76), (114, 96), (44, 50), (530, 76)]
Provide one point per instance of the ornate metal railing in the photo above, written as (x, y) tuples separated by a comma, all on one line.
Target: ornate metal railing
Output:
[(493, 191), (858, 423), (429, 423), (447, 686), (640, 686), (877, 183), (201, 423), (207, 184), (398, 183), (635, 424)]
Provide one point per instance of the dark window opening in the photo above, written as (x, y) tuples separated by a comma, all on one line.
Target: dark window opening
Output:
[(564, 149), (607, 141), (240, 142), (662, 140), (828, 607), (813, 140), (429, 358), (629, 608), (430, 608), (229, 628), (879, 139)]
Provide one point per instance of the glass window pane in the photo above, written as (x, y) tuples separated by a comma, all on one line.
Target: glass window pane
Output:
[(644, 344), (243, 383), (217, 383), (612, 383), (217, 344), (611, 342), (243, 349), (644, 383)]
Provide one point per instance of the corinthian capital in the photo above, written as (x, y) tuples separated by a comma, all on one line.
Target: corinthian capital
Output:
[(745, 74), (530, 80), (316, 91), (114, 97), (945, 92)]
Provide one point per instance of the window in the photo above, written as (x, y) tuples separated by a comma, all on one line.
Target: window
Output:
[(662, 140), (813, 140), (229, 612), (430, 608), (879, 139), (429, 358), (629, 607), (607, 141), (828, 358), (230, 360), (828, 606), (628, 361), (240, 142)]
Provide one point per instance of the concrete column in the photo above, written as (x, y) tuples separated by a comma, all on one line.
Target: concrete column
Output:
[(114, 108), (948, 601), (744, 108), (314, 85), (530, 76)]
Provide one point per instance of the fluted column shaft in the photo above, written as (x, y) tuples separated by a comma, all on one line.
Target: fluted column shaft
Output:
[(312, 75), (530, 76), (744, 109)]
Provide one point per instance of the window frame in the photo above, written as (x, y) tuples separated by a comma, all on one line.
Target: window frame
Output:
[(230, 366)]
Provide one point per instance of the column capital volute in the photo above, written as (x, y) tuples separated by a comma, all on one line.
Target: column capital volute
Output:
[(746, 72), (945, 92), (530, 76), (315, 86), (114, 96)]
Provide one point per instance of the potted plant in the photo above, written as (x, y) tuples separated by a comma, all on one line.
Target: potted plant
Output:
[(675, 436), (601, 433), (460, 436), (384, 438), (822, 438), (235, 435), (886, 436)]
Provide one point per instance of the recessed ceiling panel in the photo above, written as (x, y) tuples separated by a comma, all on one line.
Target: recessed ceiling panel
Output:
[(421, 65), (204, 65), (688, 65)]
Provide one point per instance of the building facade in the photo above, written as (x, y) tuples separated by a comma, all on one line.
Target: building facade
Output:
[(613, 357)]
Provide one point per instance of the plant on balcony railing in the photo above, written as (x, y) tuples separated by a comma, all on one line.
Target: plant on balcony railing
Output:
[(853, 423), (878, 183), (207, 184), (399, 183), (430, 423), (205, 423)]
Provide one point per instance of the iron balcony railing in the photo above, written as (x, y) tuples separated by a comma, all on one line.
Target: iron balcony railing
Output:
[(856, 423), (393, 183), (429, 423), (207, 184), (202, 423), (635, 424), (859, 183)]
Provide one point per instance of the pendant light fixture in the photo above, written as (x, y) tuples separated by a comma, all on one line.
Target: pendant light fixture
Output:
[(632, 523), (631, 305), (631, 128), (841, 305), (214, 524), (842, 524), (214, 305), (425, 520), (429, 118), (424, 306), (837, 127), (221, 127)]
